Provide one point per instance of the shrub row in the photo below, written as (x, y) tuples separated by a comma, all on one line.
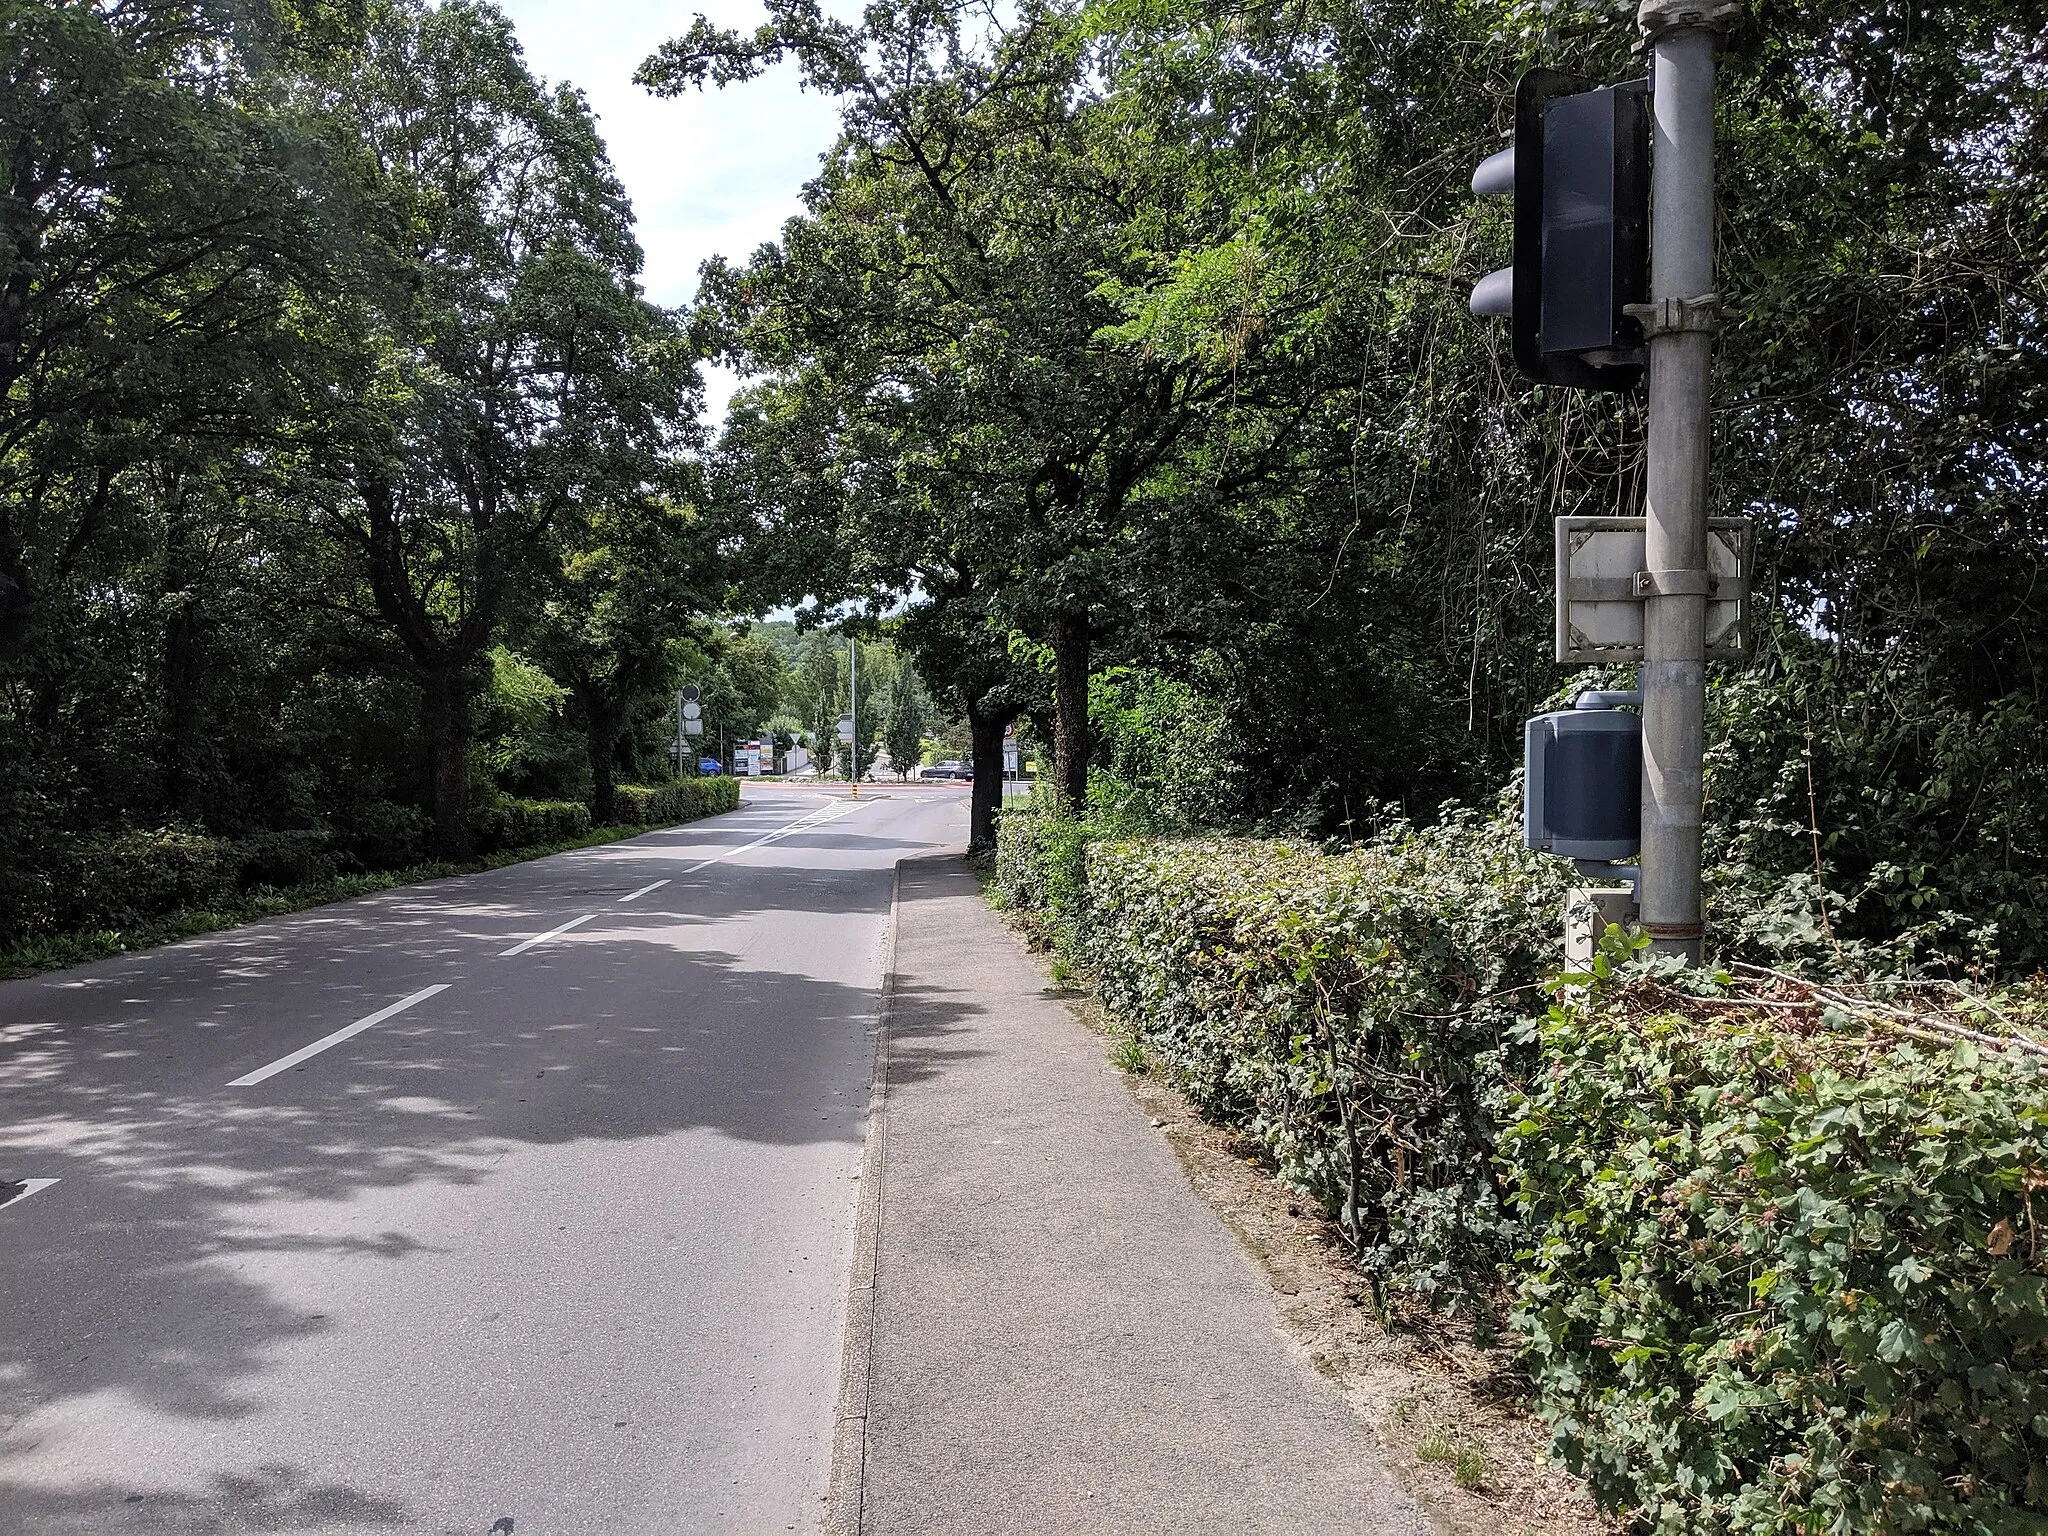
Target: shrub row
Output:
[(508, 823), (684, 800), (134, 877), (1764, 1279), (1769, 1280)]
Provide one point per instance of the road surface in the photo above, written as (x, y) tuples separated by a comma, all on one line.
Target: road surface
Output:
[(517, 1203)]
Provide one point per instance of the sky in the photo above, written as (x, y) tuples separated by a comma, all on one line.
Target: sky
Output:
[(710, 173)]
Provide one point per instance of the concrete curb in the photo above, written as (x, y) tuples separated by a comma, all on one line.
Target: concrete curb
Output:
[(844, 1492)]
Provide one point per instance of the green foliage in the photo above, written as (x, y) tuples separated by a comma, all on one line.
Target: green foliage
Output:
[(1165, 755), (1349, 1010), (524, 744), (1774, 1282), (1872, 820), (509, 823), (905, 718), (683, 800), (342, 463), (135, 887), (1765, 1278)]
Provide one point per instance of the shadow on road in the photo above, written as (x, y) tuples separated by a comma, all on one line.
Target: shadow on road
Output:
[(631, 1033)]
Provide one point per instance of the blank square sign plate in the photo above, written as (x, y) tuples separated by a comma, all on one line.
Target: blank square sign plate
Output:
[(1599, 616)]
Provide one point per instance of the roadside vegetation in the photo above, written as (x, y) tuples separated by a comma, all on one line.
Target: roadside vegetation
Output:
[(1115, 384), (143, 890), (1768, 1249)]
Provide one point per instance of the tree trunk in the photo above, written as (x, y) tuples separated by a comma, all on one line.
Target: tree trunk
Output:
[(445, 701), (183, 671), (602, 742), (987, 798), (1070, 744)]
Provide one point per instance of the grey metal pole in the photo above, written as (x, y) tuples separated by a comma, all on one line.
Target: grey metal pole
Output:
[(853, 706), (1679, 321)]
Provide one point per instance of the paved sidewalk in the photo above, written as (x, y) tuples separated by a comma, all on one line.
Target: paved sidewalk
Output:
[(1059, 1335)]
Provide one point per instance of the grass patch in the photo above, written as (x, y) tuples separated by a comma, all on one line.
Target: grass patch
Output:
[(31, 957), (1439, 1445)]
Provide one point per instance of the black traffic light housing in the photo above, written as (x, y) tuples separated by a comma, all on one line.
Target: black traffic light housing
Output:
[(1579, 172)]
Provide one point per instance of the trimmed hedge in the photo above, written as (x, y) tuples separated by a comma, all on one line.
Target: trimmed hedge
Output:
[(684, 800), (528, 823), (1347, 1009), (1765, 1276), (1779, 1281)]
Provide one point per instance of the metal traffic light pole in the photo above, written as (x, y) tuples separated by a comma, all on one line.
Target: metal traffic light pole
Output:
[(1679, 322)]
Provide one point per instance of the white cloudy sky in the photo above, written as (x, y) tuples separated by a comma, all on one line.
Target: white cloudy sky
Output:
[(710, 173)]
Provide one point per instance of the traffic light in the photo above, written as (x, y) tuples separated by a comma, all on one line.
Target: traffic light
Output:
[(1579, 172)]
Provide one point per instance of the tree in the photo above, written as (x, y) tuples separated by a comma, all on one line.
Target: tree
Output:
[(513, 382), (955, 366), (155, 236), (905, 721), (629, 586)]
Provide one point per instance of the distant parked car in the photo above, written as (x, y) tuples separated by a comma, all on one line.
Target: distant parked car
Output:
[(945, 771), (709, 767)]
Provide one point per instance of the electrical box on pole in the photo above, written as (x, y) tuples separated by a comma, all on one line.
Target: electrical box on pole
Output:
[(1578, 172), (1583, 773)]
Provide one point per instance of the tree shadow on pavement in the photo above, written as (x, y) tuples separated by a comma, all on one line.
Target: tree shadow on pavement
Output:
[(132, 1298)]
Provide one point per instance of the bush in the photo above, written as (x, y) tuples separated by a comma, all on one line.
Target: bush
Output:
[(285, 858), (130, 877), (511, 823), (1349, 1010), (1781, 1282), (682, 800), (381, 834), (1766, 1276)]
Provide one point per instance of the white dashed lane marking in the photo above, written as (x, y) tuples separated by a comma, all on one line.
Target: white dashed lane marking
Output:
[(307, 1052), (542, 938)]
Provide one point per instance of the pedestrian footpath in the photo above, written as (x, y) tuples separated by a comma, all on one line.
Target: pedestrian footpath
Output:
[(1050, 1332)]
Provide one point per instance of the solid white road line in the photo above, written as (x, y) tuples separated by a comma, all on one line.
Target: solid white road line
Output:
[(286, 1063), (803, 823), (28, 1187), (542, 938), (642, 892)]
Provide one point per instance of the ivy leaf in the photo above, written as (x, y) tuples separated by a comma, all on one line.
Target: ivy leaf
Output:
[(1896, 1341)]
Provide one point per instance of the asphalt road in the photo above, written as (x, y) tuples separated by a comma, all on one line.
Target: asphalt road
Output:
[(558, 1246)]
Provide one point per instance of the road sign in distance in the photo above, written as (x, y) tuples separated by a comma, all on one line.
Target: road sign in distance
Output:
[(692, 693), (693, 727), (692, 709)]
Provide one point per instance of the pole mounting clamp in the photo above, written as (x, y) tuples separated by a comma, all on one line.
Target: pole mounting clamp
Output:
[(1670, 316), (1655, 18), (1675, 583)]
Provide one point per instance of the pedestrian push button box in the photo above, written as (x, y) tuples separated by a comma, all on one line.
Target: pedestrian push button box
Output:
[(1583, 783)]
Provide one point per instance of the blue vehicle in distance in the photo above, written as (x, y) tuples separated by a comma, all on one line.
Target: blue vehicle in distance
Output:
[(709, 767)]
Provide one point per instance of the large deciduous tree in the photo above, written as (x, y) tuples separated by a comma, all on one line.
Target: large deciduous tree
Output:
[(949, 331), (514, 381)]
